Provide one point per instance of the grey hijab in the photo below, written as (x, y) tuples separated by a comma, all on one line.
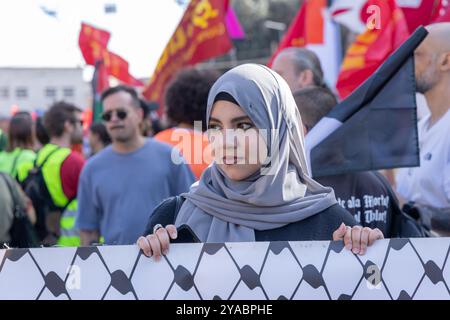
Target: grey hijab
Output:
[(222, 210)]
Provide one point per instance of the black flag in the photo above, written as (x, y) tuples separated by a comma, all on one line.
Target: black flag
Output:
[(376, 126)]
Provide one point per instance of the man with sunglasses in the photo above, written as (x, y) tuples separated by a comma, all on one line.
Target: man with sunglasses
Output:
[(120, 186)]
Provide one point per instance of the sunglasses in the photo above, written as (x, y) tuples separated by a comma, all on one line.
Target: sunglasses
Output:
[(78, 121), (121, 114)]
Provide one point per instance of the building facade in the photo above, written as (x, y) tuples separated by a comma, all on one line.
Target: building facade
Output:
[(35, 89)]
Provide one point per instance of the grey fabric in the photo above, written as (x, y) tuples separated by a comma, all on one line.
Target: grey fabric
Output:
[(6, 211), (221, 210)]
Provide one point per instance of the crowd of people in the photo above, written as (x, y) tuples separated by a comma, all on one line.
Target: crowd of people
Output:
[(209, 175)]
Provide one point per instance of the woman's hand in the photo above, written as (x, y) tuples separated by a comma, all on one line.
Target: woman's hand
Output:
[(157, 243), (357, 238)]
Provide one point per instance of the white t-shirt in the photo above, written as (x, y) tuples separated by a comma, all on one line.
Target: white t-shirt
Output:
[(429, 184), (422, 106)]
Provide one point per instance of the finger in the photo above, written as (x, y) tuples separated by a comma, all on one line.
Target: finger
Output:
[(164, 240), (374, 235), (340, 232), (348, 238), (364, 240), (172, 231), (356, 239), (144, 245), (155, 245)]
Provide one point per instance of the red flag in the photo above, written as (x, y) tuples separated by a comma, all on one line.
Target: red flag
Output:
[(443, 13), (93, 44), (373, 46), (307, 27), (200, 35), (419, 14), (353, 13), (118, 68), (92, 41)]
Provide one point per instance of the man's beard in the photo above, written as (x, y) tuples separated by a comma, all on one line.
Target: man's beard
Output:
[(424, 85), (426, 81)]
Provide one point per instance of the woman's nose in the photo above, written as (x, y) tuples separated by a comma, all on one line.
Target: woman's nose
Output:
[(230, 139)]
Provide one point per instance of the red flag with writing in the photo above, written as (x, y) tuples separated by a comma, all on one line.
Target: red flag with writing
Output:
[(200, 35), (92, 41)]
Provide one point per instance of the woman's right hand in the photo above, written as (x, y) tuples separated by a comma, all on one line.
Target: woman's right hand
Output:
[(157, 243)]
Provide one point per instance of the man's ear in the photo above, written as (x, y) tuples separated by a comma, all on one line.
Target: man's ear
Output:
[(444, 62), (68, 127), (306, 78), (140, 113)]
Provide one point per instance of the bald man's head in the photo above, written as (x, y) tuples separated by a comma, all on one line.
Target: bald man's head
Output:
[(439, 36), (300, 67), (432, 57)]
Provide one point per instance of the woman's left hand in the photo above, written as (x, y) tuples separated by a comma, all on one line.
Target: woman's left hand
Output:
[(357, 238)]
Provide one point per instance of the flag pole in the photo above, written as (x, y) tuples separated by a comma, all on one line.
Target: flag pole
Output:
[(97, 108)]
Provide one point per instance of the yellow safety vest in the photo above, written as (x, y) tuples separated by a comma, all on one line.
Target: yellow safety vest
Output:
[(17, 163), (51, 172)]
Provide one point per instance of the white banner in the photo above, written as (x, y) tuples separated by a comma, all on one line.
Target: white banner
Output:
[(391, 269)]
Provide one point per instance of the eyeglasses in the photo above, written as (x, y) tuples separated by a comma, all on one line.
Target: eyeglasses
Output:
[(121, 114)]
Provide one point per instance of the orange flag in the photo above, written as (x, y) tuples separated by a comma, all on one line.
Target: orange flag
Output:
[(373, 46), (200, 35)]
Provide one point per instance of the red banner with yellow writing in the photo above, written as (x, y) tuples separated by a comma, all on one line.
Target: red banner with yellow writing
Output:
[(200, 35), (373, 46)]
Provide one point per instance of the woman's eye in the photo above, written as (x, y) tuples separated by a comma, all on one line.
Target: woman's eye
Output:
[(245, 126), (214, 127)]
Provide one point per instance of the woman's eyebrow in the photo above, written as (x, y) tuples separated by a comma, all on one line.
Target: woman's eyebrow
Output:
[(212, 119), (243, 118)]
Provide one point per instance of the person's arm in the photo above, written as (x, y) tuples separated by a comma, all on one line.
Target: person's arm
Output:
[(182, 178), (27, 204), (88, 218), (6, 214), (89, 237), (447, 177), (70, 173)]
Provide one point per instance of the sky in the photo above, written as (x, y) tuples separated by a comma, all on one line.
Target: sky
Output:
[(140, 29)]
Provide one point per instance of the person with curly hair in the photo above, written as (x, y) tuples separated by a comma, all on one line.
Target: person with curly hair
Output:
[(186, 98)]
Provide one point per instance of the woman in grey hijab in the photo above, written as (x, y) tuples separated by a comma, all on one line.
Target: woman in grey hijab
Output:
[(258, 188)]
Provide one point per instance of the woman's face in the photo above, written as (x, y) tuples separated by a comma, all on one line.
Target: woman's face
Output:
[(237, 146)]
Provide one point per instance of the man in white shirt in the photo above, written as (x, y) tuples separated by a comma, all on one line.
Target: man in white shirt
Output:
[(429, 184)]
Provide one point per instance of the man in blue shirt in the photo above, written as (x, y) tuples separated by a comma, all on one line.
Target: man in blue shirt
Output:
[(120, 186)]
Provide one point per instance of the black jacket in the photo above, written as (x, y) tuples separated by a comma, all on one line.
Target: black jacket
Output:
[(318, 227)]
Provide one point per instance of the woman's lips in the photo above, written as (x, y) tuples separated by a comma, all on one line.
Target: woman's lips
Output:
[(231, 160)]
